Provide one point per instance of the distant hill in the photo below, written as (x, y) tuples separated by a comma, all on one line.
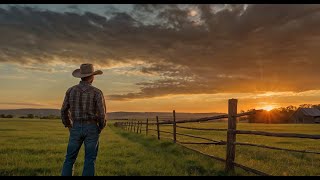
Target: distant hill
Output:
[(112, 115)]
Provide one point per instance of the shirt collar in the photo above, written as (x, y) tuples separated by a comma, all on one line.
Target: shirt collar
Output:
[(85, 83)]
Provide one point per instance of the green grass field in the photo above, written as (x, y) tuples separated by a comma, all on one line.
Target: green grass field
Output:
[(273, 162), (37, 147)]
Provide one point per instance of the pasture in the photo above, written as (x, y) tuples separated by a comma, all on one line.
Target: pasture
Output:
[(273, 162), (37, 148)]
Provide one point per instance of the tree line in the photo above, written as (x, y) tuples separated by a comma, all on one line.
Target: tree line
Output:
[(6, 116), (277, 115), (30, 116)]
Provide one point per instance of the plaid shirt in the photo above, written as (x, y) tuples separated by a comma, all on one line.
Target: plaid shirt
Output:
[(84, 102)]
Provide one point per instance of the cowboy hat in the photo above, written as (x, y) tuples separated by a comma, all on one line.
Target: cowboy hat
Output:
[(86, 70)]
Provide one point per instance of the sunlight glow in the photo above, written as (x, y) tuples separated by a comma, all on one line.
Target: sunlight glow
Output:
[(268, 108)]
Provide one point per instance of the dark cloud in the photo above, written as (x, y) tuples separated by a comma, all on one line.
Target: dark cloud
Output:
[(236, 48)]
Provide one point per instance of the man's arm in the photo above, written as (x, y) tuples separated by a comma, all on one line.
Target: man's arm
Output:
[(101, 110), (65, 114)]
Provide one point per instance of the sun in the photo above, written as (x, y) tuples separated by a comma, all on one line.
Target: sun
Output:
[(268, 108)]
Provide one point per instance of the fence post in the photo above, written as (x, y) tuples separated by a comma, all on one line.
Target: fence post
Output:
[(131, 126), (140, 127), (231, 136), (134, 127), (147, 127), (137, 125), (158, 128), (174, 127)]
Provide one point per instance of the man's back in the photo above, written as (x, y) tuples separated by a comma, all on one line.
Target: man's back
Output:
[(83, 102)]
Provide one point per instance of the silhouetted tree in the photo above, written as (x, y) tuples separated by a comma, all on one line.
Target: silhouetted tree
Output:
[(9, 116), (30, 116), (306, 106), (316, 106)]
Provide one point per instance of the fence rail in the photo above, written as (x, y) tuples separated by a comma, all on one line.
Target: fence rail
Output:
[(276, 148), (232, 132), (202, 129), (287, 135)]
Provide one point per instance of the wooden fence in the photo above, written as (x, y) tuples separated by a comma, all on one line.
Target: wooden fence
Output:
[(230, 142)]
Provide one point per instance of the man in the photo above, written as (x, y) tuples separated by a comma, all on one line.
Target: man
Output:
[(84, 113)]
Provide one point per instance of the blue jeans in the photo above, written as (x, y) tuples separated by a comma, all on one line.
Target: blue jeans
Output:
[(79, 133)]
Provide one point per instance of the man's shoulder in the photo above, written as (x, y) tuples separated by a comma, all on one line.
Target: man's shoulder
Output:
[(71, 88), (96, 90)]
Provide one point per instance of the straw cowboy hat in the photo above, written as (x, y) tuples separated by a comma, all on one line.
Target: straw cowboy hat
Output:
[(85, 71)]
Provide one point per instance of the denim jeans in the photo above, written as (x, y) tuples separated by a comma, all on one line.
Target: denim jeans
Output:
[(89, 135)]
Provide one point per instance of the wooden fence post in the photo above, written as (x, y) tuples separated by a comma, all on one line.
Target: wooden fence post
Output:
[(147, 127), (131, 126), (137, 124), (158, 128), (134, 127), (174, 127), (140, 127), (231, 136)]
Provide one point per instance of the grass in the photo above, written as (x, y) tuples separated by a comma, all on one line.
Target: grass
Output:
[(273, 162), (37, 148)]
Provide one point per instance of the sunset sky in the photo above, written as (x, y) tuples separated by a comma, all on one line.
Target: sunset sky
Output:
[(191, 58)]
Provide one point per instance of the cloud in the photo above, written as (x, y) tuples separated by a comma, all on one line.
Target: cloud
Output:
[(230, 49)]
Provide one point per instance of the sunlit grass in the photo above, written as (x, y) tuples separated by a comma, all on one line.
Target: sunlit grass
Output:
[(270, 161), (37, 147)]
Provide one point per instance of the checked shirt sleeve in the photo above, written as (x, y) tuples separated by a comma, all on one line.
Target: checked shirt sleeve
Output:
[(101, 110), (65, 113)]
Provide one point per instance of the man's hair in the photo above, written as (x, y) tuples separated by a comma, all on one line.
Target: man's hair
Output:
[(87, 78)]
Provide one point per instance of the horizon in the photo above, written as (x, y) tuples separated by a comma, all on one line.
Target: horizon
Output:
[(159, 58), (120, 111)]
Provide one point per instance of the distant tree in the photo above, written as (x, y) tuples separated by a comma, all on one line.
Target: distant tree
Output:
[(9, 116), (316, 106), (2, 116), (306, 106), (50, 117), (30, 116), (242, 119), (279, 115)]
